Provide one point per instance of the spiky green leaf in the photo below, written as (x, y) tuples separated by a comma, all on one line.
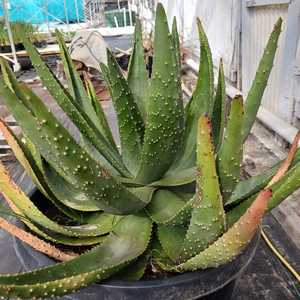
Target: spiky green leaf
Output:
[(27, 156), (103, 123), (219, 110), (288, 184), (208, 218), (202, 102), (130, 237), (68, 159), (164, 126), (176, 44), (74, 110), (231, 151), (246, 188), (233, 241), (130, 122), (14, 194), (75, 84), (259, 83), (137, 78)]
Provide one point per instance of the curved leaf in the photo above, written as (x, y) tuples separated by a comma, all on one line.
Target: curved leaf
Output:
[(177, 178), (130, 239), (102, 121), (29, 162), (248, 187), (75, 84), (14, 194), (169, 209), (73, 109), (283, 183), (284, 187)]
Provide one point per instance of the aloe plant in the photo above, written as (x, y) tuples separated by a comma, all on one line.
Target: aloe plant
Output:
[(172, 195), (18, 27)]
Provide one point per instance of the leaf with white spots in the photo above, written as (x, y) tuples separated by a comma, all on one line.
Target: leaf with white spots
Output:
[(75, 84), (165, 118), (14, 194), (284, 187), (207, 222), (260, 81), (68, 159), (202, 102), (130, 122), (74, 110), (233, 241), (137, 78), (129, 240), (103, 123), (231, 151)]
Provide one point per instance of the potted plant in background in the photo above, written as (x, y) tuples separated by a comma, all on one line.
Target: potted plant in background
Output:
[(17, 27), (172, 201)]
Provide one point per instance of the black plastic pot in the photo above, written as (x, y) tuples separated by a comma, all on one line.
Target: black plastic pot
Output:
[(7, 48), (211, 284), (40, 44)]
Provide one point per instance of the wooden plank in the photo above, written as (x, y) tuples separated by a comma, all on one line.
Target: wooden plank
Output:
[(256, 3), (49, 50)]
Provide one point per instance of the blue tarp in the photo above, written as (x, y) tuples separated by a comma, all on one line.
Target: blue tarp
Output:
[(34, 11)]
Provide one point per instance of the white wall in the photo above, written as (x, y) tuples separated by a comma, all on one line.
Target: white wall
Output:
[(221, 22), (238, 31)]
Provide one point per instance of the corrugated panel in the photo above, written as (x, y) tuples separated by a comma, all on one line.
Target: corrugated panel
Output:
[(255, 33), (297, 87)]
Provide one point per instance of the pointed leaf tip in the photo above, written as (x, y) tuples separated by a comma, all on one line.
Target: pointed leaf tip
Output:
[(287, 162), (202, 101), (260, 80)]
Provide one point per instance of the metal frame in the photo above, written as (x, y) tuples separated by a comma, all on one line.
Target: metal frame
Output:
[(17, 66), (44, 9)]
